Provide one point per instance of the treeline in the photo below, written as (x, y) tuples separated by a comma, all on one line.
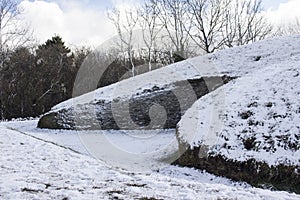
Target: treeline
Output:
[(188, 27), (31, 82)]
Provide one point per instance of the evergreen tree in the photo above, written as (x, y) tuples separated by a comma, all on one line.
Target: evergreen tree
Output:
[(17, 88), (56, 73), (30, 84)]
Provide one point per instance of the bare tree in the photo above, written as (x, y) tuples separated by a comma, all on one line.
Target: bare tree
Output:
[(125, 22), (151, 27), (225, 23), (209, 19), (288, 29), (245, 23), (12, 34), (176, 20)]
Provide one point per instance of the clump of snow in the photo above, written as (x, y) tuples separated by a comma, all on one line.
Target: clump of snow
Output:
[(256, 116)]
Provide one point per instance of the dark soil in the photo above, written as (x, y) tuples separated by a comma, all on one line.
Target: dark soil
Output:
[(258, 174)]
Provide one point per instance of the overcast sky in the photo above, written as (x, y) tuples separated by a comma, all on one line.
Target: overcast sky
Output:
[(83, 22)]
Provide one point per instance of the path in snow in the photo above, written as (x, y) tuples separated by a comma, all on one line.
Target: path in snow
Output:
[(34, 169)]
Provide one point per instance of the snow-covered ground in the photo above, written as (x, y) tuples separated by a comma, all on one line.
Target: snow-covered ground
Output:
[(129, 150), (37, 166)]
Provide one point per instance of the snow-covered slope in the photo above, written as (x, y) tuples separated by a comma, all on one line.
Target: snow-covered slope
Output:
[(256, 116), (233, 62), (251, 126), (34, 169)]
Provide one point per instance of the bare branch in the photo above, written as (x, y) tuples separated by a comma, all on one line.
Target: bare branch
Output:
[(245, 23), (151, 27), (288, 29), (125, 22), (175, 18), (12, 33)]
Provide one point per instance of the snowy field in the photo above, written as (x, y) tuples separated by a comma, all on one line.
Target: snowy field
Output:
[(40, 164)]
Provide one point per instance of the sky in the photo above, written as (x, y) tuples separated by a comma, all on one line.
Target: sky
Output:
[(84, 22)]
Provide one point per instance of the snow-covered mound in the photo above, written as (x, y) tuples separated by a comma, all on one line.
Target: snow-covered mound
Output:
[(232, 62), (257, 116), (98, 107), (254, 121)]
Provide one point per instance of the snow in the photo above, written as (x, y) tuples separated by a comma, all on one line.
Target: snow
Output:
[(130, 87), (130, 149), (35, 168), (269, 99)]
